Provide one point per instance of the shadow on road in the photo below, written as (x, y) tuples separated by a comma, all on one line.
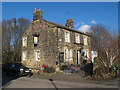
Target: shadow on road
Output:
[(53, 84), (6, 79)]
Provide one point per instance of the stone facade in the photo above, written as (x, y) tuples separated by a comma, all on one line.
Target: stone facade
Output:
[(48, 43)]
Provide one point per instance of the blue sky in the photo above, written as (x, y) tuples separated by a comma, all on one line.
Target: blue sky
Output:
[(84, 14)]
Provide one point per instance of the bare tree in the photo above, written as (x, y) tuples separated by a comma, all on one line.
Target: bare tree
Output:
[(106, 44), (11, 38), (6, 39)]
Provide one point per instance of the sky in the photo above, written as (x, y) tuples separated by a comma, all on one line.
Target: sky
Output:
[(84, 14)]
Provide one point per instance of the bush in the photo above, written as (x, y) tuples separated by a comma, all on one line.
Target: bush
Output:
[(63, 67), (49, 69), (103, 70)]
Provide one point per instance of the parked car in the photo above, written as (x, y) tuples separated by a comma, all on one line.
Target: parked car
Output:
[(16, 69)]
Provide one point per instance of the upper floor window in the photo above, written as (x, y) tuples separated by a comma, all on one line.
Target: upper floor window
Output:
[(67, 37), (77, 39), (85, 40), (35, 41), (24, 55), (37, 55), (25, 41)]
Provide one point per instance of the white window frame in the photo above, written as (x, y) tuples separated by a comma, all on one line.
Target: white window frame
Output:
[(37, 56), (85, 40), (67, 37), (86, 53), (24, 42), (70, 54), (77, 38), (24, 56), (66, 54), (35, 40)]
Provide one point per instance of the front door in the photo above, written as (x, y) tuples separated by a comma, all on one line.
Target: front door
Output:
[(78, 57)]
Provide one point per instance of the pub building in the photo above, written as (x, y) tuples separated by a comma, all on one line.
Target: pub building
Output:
[(51, 44)]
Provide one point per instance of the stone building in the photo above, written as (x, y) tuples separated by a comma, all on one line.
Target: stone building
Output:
[(48, 43)]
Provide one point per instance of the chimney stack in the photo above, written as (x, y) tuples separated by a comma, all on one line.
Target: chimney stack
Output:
[(37, 14), (69, 23)]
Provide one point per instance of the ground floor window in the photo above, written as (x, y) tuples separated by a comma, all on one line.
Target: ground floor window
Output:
[(61, 57), (86, 54), (68, 54), (24, 55), (37, 55)]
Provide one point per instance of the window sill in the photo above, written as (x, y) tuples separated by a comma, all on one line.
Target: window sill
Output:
[(37, 60), (78, 43)]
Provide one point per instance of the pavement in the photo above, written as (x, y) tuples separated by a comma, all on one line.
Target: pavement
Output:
[(28, 82)]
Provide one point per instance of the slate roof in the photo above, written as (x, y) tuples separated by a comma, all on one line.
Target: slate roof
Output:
[(63, 27)]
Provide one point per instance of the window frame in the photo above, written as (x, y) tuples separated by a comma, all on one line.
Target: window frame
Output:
[(24, 54), (86, 53), (66, 54), (23, 42), (77, 38), (67, 37), (35, 38), (85, 40), (70, 54), (36, 55)]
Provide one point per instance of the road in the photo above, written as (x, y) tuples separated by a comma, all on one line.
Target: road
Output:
[(28, 82)]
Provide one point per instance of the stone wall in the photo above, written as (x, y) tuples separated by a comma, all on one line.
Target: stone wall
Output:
[(51, 42), (47, 45)]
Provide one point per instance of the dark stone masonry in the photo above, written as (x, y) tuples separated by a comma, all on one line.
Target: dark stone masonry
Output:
[(48, 43)]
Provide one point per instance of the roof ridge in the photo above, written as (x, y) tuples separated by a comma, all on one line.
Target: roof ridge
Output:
[(72, 29)]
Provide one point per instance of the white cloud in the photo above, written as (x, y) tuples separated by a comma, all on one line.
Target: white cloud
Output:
[(82, 23), (77, 24), (85, 28), (93, 21)]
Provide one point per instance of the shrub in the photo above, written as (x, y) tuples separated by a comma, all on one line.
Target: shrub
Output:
[(98, 62), (63, 67), (49, 69)]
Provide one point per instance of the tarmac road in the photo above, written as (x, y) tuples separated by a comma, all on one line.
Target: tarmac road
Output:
[(28, 82)]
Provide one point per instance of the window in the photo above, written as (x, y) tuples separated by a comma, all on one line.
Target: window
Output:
[(37, 55), (70, 54), (35, 40), (24, 55), (77, 39), (67, 37), (66, 53), (86, 54), (85, 40), (25, 41), (61, 57)]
